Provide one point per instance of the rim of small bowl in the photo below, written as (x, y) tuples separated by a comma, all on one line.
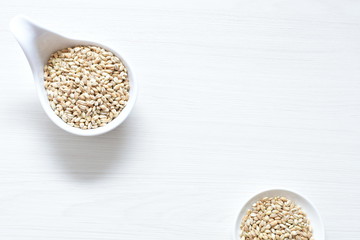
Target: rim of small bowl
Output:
[(319, 230)]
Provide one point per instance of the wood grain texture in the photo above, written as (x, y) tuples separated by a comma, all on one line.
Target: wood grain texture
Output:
[(235, 97)]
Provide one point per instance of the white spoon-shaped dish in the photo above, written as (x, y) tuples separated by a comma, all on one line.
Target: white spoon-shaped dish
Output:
[(38, 44), (311, 212)]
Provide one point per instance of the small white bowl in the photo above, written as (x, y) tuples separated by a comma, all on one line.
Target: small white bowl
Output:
[(38, 44), (310, 210)]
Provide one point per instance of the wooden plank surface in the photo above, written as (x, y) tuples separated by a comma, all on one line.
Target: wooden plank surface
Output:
[(235, 97)]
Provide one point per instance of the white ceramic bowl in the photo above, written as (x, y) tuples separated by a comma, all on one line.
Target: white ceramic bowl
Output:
[(38, 44), (310, 210)]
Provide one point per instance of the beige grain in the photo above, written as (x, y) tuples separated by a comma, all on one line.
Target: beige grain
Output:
[(87, 86), (275, 218)]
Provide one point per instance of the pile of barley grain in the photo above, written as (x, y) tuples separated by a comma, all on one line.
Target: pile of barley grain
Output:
[(275, 218), (87, 86)]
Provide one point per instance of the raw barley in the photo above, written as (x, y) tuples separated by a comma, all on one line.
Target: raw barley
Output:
[(87, 86), (275, 218)]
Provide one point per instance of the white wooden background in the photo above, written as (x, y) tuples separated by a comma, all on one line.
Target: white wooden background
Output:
[(235, 97)]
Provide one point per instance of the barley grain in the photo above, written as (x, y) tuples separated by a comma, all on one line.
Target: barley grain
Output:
[(86, 83), (275, 218)]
